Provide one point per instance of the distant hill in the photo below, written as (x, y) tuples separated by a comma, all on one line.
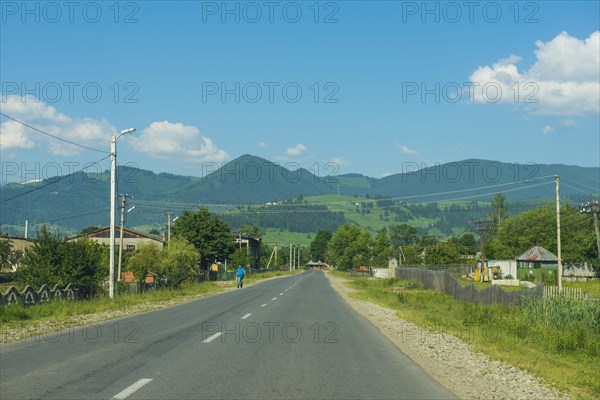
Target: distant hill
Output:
[(82, 199)]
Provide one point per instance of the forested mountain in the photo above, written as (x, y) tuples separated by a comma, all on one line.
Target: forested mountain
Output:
[(82, 199)]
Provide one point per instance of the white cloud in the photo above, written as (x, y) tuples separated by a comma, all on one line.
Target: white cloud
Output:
[(568, 123), (564, 80), (405, 150), (295, 151), (338, 161), (383, 175), (262, 145), (13, 137), (87, 131), (547, 130), (175, 141)]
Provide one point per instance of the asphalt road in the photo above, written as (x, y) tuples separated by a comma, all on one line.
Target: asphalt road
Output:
[(287, 338)]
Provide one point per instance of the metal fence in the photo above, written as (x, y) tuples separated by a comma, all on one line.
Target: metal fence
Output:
[(443, 281)]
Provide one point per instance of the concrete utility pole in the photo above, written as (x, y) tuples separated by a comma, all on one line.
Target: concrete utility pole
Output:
[(123, 205), (291, 262), (113, 191), (480, 223), (592, 208), (558, 251), (168, 227)]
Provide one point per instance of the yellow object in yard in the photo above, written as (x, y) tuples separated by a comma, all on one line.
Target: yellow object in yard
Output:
[(477, 277)]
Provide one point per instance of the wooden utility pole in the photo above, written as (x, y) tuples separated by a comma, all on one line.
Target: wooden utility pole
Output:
[(558, 250), (480, 223), (123, 205)]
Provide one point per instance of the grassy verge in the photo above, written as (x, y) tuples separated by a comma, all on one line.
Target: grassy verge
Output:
[(592, 287), (15, 316), (555, 339)]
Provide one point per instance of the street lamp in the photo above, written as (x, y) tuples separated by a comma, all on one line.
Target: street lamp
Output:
[(113, 190)]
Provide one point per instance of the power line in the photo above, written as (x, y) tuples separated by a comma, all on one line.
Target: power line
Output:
[(55, 181), (52, 136)]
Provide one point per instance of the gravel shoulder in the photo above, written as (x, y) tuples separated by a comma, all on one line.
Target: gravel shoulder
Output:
[(449, 360)]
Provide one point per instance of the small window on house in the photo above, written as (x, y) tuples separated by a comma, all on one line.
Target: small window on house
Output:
[(130, 247)]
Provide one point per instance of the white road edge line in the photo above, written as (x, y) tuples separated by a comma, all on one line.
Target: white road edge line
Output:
[(212, 337), (263, 305), (131, 389), (246, 316)]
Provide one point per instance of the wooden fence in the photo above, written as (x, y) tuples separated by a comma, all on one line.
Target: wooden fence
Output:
[(568, 292), (443, 281)]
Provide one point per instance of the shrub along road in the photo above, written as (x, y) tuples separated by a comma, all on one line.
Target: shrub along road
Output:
[(292, 337)]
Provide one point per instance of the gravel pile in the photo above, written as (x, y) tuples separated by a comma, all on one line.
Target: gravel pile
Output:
[(448, 359)]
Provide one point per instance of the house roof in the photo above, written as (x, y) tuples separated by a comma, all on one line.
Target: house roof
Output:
[(537, 253), (127, 233)]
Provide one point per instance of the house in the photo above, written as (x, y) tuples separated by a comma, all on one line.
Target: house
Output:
[(317, 264), (131, 239), (252, 245), (537, 264), (18, 244)]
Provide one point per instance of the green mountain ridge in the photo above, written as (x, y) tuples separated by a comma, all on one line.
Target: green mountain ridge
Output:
[(81, 199)]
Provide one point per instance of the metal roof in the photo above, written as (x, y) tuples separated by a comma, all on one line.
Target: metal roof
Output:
[(537, 253)]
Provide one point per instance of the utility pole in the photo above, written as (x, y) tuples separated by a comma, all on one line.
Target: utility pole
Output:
[(168, 227), (291, 262), (592, 208), (481, 223), (557, 180), (123, 204)]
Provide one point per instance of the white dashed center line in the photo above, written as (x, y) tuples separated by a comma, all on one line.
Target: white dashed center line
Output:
[(281, 294), (131, 389), (263, 305), (274, 298), (212, 337), (246, 316)]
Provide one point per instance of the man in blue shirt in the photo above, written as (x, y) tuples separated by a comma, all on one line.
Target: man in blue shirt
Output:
[(240, 273)]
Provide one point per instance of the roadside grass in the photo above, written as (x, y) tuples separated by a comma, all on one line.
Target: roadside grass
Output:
[(16, 316), (591, 287), (555, 339)]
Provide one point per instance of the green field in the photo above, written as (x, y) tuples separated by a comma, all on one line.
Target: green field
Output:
[(283, 238)]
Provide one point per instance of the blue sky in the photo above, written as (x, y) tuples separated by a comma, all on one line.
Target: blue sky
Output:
[(383, 84)]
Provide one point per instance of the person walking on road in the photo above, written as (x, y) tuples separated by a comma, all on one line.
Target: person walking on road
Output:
[(240, 273)]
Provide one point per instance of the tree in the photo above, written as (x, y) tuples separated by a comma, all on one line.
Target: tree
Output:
[(155, 231), (179, 262), (403, 234), (382, 249), (147, 258), (251, 230), (41, 262), (210, 235), (442, 253), (499, 205), (5, 253), (89, 229), (82, 266), (52, 261), (468, 243), (537, 227), (350, 247), (318, 247)]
